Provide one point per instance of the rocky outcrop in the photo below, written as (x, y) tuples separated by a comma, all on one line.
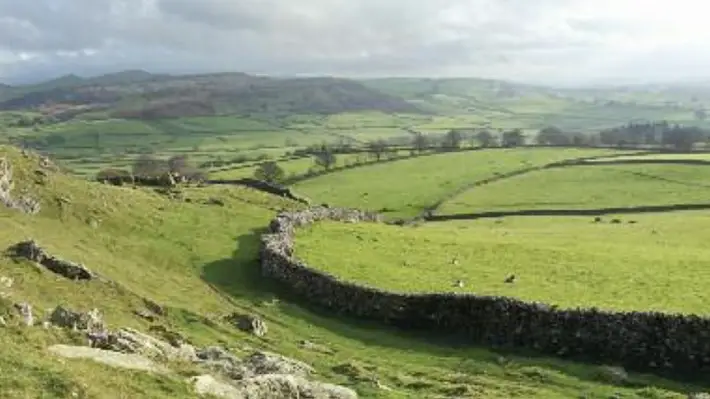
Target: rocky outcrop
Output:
[(32, 251), (91, 322), (24, 203), (128, 340), (644, 341), (249, 323), (111, 358), (270, 386)]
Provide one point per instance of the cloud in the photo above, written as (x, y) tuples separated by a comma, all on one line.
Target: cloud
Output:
[(543, 40)]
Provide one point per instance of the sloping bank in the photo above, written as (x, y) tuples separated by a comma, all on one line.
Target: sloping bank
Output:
[(643, 341)]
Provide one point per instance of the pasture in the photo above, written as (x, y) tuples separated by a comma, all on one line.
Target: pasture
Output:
[(407, 188), (201, 262), (588, 187), (660, 262)]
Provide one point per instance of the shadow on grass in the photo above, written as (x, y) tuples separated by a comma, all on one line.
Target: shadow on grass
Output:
[(239, 278)]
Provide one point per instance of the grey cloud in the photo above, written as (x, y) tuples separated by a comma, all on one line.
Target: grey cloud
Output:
[(507, 38)]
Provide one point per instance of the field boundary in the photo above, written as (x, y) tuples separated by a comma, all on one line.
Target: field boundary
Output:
[(643, 341), (431, 210), (570, 212)]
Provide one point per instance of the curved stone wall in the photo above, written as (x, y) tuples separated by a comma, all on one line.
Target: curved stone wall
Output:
[(637, 340)]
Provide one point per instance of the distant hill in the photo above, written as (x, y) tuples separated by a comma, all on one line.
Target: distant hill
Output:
[(140, 94)]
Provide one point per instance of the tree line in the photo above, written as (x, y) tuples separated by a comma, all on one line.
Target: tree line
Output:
[(662, 135)]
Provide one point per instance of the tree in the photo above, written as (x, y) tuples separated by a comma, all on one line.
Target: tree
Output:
[(552, 135), (149, 166), (325, 158), (178, 164), (420, 142), (513, 138), (270, 172), (453, 139), (682, 138), (485, 138), (377, 148)]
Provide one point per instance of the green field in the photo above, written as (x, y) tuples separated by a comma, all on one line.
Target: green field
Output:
[(588, 187), (198, 254), (200, 261), (660, 263), (406, 188)]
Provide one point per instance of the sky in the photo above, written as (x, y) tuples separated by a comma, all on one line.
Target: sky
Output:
[(558, 42)]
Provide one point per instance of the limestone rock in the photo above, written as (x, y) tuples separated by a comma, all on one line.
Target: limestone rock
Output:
[(91, 321), (115, 359), (208, 385), (128, 340), (221, 361), (270, 363), (25, 310), (249, 323), (32, 251), (277, 386)]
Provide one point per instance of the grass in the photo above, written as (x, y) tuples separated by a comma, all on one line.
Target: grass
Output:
[(660, 263), (408, 187), (200, 261), (588, 187)]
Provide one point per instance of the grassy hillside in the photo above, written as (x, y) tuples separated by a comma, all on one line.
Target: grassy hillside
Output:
[(200, 261), (407, 188), (588, 187)]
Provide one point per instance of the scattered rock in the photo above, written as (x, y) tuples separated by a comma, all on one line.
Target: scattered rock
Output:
[(271, 386), (699, 395), (249, 323), (32, 251), (25, 203), (208, 385), (115, 359), (277, 386), (25, 310), (223, 362), (91, 321), (3, 323), (128, 340), (260, 363), (154, 307)]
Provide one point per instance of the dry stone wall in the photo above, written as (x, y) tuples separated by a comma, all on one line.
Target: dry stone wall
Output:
[(645, 341)]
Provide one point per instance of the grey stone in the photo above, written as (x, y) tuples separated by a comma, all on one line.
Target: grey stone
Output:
[(114, 359), (249, 323), (270, 363), (32, 251), (25, 310), (128, 340), (279, 386), (91, 321), (208, 385)]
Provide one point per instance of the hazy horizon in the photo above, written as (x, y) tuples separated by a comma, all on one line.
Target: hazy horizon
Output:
[(548, 42)]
